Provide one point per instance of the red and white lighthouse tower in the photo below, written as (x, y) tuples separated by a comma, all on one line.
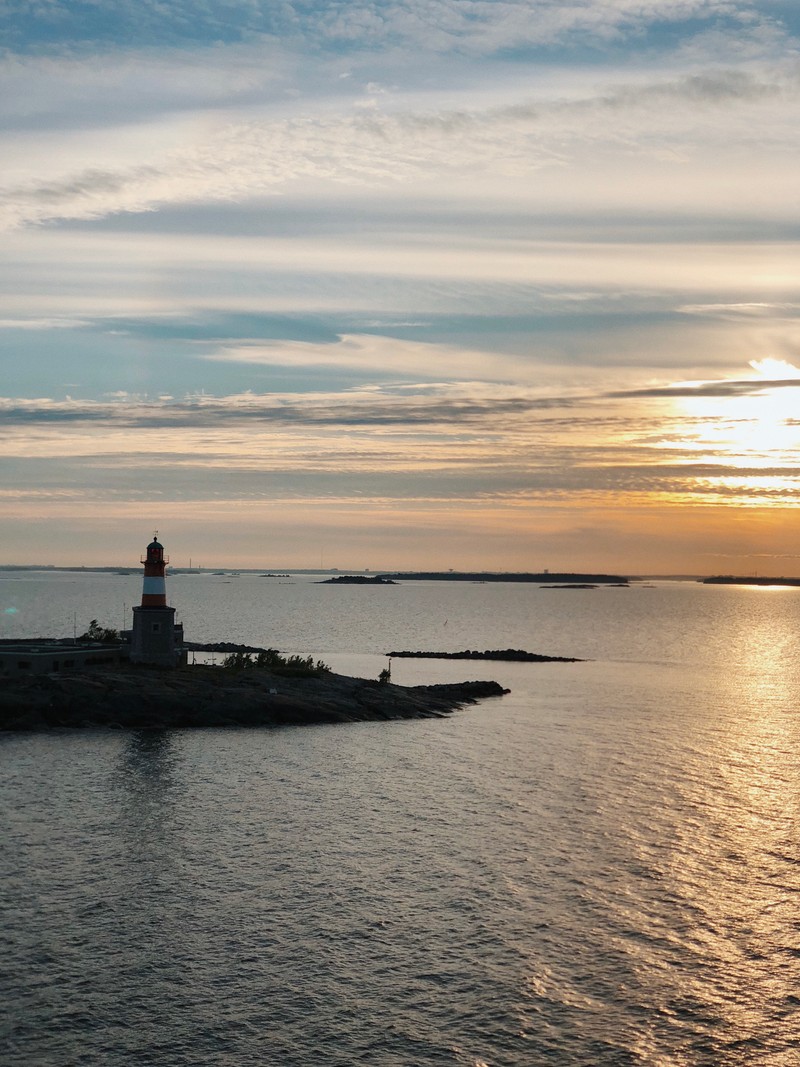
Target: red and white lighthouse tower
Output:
[(153, 634), (154, 588)]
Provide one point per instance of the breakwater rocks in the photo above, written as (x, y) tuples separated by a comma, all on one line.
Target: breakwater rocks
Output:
[(139, 698), (512, 655)]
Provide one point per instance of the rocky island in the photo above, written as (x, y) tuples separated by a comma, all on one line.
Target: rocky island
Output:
[(576, 585), (358, 579), (509, 655), (126, 696)]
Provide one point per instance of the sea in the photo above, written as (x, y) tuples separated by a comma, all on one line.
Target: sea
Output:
[(601, 867)]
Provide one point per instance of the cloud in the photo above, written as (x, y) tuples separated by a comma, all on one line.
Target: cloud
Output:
[(709, 89), (412, 405), (225, 131), (379, 355), (54, 94), (475, 27), (246, 159), (754, 310), (43, 324), (436, 445), (724, 388)]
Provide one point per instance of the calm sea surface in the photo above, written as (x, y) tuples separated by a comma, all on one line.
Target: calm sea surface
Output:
[(601, 868)]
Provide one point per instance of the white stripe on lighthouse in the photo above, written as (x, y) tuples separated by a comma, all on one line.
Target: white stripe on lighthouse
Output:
[(154, 586)]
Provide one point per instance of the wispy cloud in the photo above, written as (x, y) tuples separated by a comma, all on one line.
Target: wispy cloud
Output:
[(43, 324), (407, 406), (384, 355), (236, 155), (724, 388), (752, 310), (473, 26)]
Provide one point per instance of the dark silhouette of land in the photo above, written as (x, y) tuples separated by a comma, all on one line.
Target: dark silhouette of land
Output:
[(358, 579), (510, 655), (580, 585), (732, 579), (137, 697)]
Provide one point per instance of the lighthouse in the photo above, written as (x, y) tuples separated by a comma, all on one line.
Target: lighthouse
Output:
[(153, 634)]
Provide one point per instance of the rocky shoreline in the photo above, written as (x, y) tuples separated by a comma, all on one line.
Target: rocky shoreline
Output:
[(135, 697)]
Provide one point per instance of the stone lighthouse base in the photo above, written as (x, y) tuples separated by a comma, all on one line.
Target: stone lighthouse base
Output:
[(153, 636)]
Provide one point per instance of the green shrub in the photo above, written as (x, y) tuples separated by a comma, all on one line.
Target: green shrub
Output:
[(96, 632), (271, 660)]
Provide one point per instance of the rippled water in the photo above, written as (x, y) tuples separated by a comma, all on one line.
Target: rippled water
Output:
[(601, 868)]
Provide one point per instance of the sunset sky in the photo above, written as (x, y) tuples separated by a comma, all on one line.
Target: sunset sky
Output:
[(495, 284)]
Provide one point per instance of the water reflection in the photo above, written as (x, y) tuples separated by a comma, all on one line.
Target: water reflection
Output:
[(155, 870), (673, 893), (737, 865), (149, 755), (148, 785), (146, 779)]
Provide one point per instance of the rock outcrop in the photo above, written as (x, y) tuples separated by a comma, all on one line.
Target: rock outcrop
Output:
[(139, 697)]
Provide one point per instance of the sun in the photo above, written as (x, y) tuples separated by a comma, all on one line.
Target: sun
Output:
[(775, 369), (753, 419), (768, 427), (748, 425)]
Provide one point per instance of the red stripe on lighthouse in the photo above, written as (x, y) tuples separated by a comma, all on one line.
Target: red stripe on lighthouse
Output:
[(154, 586)]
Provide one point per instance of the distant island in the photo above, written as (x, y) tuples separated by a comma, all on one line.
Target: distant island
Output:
[(490, 576), (732, 579), (358, 579), (574, 585), (511, 655)]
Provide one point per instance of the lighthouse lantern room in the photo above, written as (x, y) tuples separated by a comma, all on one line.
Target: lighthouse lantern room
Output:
[(153, 634)]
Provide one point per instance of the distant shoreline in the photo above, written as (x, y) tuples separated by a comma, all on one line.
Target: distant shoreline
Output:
[(536, 577), (351, 575), (732, 579), (553, 579)]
